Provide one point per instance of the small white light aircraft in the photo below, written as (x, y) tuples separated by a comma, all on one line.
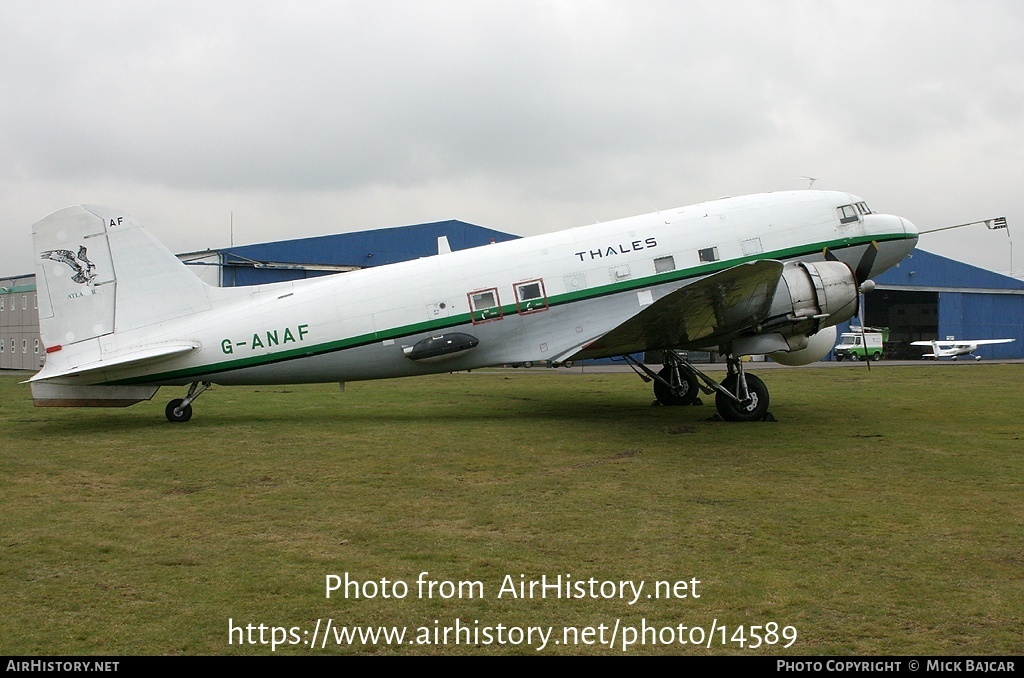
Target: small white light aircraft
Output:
[(953, 349), (773, 273)]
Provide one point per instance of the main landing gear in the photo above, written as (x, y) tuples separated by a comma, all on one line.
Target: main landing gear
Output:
[(675, 385), (179, 410), (739, 397)]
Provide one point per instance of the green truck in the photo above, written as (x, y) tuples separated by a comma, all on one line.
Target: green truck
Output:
[(861, 344)]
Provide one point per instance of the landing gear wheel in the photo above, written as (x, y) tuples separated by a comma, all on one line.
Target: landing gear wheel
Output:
[(686, 393), (176, 413), (754, 410)]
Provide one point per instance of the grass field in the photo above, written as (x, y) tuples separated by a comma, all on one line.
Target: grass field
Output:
[(882, 514)]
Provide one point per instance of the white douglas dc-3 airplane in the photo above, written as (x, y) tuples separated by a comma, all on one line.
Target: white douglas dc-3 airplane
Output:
[(953, 349), (773, 273)]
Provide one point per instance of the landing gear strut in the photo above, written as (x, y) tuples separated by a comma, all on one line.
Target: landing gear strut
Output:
[(675, 384), (179, 410), (739, 397)]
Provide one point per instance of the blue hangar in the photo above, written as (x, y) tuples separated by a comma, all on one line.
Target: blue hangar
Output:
[(928, 296), (323, 255)]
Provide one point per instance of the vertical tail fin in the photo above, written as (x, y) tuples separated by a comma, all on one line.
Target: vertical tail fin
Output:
[(98, 272)]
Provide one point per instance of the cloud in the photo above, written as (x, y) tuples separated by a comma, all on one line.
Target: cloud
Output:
[(548, 112)]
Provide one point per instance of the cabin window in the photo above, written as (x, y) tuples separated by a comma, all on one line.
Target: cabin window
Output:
[(708, 254), (664, 264), (24, 302), (35, 346), (484, 305), (24, 345), (2, 303), (863, 208), (531, 297), (3, 346), (847, 214)]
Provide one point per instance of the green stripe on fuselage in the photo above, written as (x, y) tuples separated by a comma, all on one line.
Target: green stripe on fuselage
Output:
[(508, 309)]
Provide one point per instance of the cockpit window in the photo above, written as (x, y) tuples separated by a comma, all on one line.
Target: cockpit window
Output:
[(847, 214), (863, 208)]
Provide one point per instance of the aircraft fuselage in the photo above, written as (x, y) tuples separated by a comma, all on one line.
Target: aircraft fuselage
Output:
[(538, 298)]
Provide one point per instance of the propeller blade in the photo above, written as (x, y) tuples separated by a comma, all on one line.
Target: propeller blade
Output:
[(863, 336), (863, 270), (867, 260)]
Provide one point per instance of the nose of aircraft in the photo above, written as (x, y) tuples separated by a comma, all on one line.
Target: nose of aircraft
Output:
[(892, 252), (909, 228)]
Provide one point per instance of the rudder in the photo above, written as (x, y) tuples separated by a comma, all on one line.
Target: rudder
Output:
[(74, 277)]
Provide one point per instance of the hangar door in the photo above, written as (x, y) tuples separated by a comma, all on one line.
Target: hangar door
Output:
[(910, 316)]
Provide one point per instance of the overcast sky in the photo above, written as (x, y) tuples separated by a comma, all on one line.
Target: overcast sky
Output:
[(308, 118)]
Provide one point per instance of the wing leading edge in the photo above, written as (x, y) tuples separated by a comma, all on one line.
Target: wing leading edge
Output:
[(702, 314)]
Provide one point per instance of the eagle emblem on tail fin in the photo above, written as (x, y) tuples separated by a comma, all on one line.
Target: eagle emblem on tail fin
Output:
[(84, 270)]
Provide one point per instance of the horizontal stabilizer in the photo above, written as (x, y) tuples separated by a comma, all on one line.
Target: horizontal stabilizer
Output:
[(135, 356)]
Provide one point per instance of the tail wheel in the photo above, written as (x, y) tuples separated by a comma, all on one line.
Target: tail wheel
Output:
[(176, 413), (752, 410), (686, 392)]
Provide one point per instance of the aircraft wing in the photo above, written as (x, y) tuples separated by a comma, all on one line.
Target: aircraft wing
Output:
[(991, 341), (701, 314), (960, 343)]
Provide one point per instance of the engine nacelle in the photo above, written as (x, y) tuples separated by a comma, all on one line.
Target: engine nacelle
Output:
[(817, 348), (810, 300), (812, 296)]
